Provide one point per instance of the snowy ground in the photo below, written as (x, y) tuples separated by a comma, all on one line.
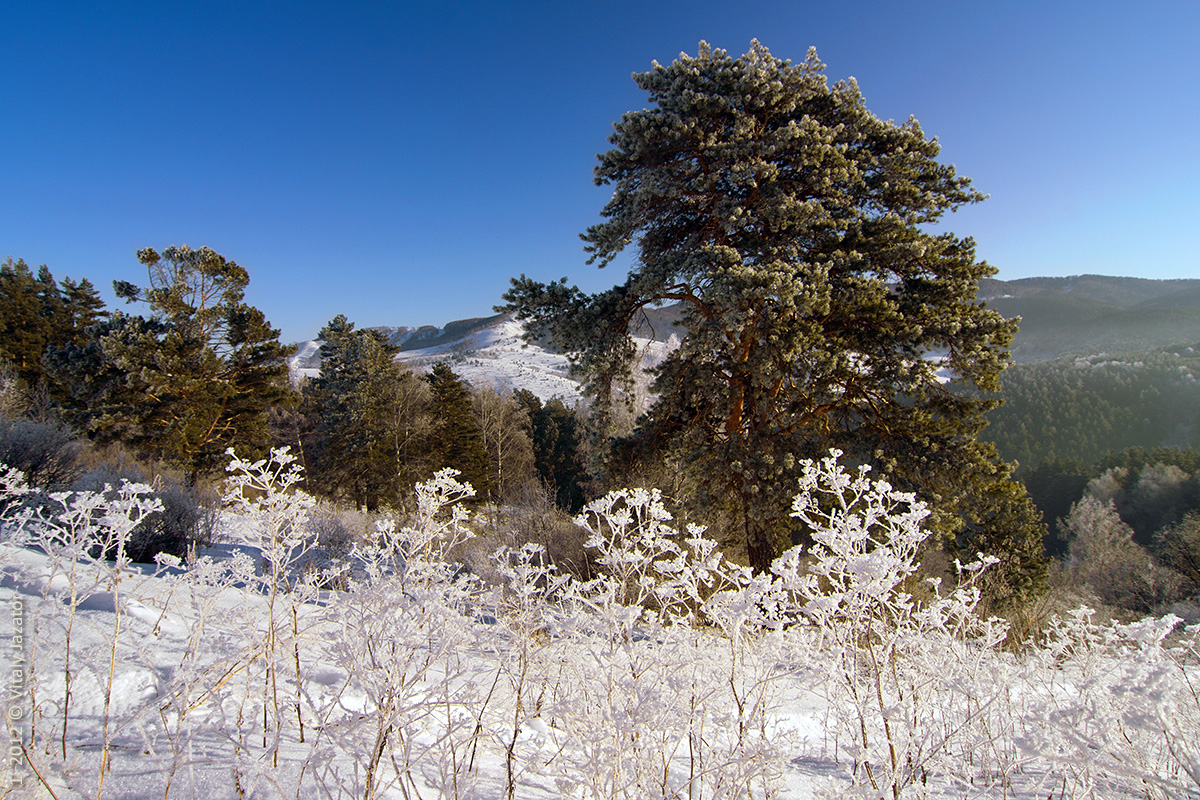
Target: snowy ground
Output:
[(245, 675)]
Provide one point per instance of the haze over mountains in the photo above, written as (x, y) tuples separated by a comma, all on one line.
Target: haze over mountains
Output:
[(1087, 314), (1074, 316)]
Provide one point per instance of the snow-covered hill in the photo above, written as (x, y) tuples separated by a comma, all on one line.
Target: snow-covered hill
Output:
[(491, 355)]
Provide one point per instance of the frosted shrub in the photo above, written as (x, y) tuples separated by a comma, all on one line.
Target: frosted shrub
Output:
[(897, 662), (13, 488), (407, 715), (663, 707), (1115, 707), (274, 513), (646, 563), (673, 674), (75, 652)]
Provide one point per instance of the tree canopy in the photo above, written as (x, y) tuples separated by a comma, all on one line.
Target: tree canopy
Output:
[(822, 308), (37, 314), (195, 377)]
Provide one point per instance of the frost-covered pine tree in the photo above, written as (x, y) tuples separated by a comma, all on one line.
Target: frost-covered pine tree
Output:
[(822, 307)]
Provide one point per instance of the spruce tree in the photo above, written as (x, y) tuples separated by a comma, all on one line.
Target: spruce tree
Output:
[(364, 442), (38, 314), (83, 308), (456, 438), (557, 439), (25, 322), (797, 231)]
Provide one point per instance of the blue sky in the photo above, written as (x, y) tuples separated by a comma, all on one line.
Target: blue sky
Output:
[(399, 162)]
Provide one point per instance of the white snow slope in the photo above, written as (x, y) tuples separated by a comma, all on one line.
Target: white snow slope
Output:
[(496, 357)]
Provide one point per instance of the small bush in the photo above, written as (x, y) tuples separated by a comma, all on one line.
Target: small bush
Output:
[(185, 520), (534, 518), (335, 531), (48, 456)]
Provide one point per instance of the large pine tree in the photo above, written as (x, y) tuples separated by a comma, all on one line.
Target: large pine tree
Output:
[(822, 309)]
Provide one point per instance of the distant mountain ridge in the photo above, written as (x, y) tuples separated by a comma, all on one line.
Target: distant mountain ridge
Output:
[(1075, 316), (1087, 314)]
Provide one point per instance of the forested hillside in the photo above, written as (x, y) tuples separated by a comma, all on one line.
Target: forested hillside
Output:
[(1083, 408)]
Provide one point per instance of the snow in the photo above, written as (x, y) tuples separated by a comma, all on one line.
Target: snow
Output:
[(498, 358), (202, 677)]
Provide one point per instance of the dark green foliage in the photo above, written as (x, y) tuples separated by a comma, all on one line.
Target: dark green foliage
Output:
[(99, 398), (1134, 458), (83, 308), (795, 228), (367, 421), (557, 448), (1054, 486), (456, 440), (999, 519), (1085, 408), (24, 326), (37, 314), (195, 378)]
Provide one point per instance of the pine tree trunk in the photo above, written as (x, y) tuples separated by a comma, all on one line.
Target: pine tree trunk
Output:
[(761, 550)]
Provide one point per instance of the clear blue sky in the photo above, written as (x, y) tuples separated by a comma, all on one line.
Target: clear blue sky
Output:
[(399, 162)]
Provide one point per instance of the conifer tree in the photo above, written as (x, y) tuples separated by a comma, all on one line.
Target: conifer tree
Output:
[(195, 377), (23, 329), (456, 439), (365, 442), (37, 314), (557, 443), (83, 308), (797, 231)]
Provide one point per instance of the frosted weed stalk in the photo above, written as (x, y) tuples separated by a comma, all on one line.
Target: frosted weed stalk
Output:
[(406, 714), (892, 700), (669, 675), (85, 543)]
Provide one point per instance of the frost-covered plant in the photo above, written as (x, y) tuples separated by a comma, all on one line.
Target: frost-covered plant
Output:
[(866, 542), (86, 543), (407, 713), (662, 706), (13, 488), (1116, 707), (531, 614), (647, 564), (264, 493), (675, 674)]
